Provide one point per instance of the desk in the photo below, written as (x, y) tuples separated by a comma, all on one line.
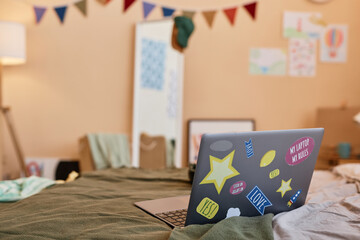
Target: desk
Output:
[(345, 161)]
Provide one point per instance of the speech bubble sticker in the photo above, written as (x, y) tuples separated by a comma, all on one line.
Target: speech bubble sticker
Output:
[(258, 200), (267, 158), (299, 151), (273, 174), (249, 149), (233, 212), (237, 188), (293, 198), (207, 208)]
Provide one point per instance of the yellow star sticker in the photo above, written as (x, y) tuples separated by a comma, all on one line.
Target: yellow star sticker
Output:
[(285, 186), (220, 171)]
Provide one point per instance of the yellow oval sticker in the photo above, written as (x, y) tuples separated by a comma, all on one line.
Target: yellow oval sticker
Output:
[(267, 158), (274, 174)]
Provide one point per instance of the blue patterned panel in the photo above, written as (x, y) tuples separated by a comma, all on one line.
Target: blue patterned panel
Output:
[(153, 64)]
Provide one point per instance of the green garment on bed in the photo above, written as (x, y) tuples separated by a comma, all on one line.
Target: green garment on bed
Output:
[(231, 228), (14, 190), (109, 150)]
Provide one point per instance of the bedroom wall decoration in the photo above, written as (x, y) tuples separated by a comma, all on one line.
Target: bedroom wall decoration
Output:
[(303, 30), (147, 7), (302, 24), (302, 57), (333, 43), (267, 61)]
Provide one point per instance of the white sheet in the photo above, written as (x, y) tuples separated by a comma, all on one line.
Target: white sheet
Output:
[(332, 211)]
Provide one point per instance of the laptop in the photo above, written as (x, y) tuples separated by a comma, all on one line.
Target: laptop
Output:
[(244, 174)]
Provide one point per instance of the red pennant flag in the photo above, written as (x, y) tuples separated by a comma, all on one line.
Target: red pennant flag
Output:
[(104, 2), (251, 9), (231, 13), (127, 4)]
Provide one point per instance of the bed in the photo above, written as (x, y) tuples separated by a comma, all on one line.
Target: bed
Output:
[(99, 205)]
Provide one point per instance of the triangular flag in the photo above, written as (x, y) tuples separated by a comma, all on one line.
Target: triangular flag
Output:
[(61, 11), (209, 16), (82, 7), (251, 9), (39, 13), (231, 13), (127, 4), (104, 2), (188, 14), (167, 12), (148, 7)]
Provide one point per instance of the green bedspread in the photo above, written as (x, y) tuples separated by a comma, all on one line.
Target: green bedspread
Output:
[(99, 205)]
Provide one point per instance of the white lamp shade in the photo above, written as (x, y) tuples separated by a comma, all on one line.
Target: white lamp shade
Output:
[(12, 43)]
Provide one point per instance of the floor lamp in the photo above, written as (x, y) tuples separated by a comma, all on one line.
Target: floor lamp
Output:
[(12, 52)]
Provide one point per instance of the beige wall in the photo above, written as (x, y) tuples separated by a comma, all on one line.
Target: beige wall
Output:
[(79, 77)]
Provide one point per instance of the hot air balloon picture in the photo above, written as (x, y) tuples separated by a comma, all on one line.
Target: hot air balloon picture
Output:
[(334, 43)]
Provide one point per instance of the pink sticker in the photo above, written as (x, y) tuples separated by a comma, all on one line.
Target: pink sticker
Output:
[(300, 151), (237, 188)]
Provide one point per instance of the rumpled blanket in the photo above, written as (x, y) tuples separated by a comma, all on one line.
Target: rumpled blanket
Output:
[(351, 172), (331, 211), (231, 228), (14, 190)]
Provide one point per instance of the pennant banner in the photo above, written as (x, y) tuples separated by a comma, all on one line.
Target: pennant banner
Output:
[(39, 13), (209, 17), (82, 7), (147, 7), (251, 9), (167, 12), (127, 4), (61, 11), (230, 14)]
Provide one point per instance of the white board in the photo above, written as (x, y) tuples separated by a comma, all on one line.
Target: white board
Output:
[(158, 84)]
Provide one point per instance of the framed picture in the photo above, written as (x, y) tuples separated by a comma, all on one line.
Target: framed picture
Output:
[(198, 127)]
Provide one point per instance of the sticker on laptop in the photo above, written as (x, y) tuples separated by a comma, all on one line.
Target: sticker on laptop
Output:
[(238, 188), (220, 171), (258, 200), (285, 186), (273, 174), (299, 151), (207, 208), (221, 146), (293, 198), (267, 158), (233, 212), (249, 149)]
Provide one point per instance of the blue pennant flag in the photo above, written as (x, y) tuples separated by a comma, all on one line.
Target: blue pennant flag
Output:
[(148, 7), (61, 11), (39, 13), (167, 12)]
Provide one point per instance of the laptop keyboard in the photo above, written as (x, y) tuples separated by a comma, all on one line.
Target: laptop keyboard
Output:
[(176, 218)]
